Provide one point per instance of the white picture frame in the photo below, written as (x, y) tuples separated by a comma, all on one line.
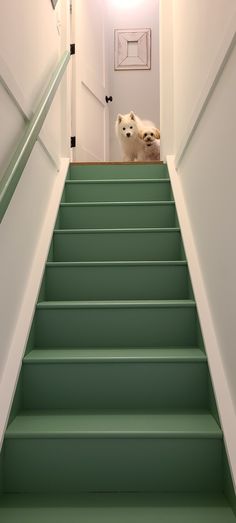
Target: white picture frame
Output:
[(132, 49)]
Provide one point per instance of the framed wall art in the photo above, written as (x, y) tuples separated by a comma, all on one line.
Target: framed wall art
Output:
[(132, 49)]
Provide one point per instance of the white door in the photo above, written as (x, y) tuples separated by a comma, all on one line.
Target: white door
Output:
[(90, 118)]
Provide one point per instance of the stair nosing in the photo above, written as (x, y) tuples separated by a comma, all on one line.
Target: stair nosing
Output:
[(104, 501), (119, 230), (130, 163), (116, 435), (109, 358), (115, 304), (107, 433), (118, 203), (158, 263), (118, 180)]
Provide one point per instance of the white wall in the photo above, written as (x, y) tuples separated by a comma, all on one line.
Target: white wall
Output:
[(30, 48), (204, 130), (166, 78), (136, 90), (209, 184)]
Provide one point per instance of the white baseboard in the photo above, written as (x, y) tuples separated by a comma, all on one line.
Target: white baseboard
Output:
[(22, 327), (219, 379)]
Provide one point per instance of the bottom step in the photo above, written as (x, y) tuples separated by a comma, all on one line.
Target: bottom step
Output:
[(116, 508)]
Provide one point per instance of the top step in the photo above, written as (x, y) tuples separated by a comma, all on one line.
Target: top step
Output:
[(108, 171)]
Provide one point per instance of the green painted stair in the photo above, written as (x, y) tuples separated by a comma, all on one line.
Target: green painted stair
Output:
[(117, 190), (117, 171), (96, 451), (114, 417), (116, 508), (116, 280), (113, 215), (116, 323), (161, 378), (117, 244)]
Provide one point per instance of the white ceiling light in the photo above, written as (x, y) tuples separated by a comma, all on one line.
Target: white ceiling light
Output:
[(127, 4)]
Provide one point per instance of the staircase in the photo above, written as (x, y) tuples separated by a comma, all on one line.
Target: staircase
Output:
[(114, 418)]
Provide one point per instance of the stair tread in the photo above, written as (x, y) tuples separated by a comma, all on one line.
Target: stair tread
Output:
[(117, 203), (119, 180), (116, 508), (118, 230), (110, 423), (121, 263), (115, 304), (115, 355)]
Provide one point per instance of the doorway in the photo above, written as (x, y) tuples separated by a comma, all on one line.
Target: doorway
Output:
[(95, 77)]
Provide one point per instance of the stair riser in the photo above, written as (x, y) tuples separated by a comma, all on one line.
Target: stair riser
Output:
[(116, 246), (115, 386), (102, 172), (117, 216), (117, 192), (106, 465), (117, 282), (116, 327)]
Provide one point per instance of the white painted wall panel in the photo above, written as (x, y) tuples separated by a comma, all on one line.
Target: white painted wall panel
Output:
[(198, 29), (202, 30), (19, 234), (12, 126), (208, 177), (30, 46), (29, 43)]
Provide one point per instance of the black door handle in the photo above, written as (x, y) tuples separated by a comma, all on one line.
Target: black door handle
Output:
[(108, 99)]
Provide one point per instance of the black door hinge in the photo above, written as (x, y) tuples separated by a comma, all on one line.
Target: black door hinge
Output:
[(73, 141), (108, 99), (72, 49)]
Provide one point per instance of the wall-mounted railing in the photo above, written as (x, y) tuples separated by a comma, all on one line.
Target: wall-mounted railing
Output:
[(20, 157)]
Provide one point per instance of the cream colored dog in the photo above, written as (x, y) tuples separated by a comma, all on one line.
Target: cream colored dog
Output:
[(150, 149)]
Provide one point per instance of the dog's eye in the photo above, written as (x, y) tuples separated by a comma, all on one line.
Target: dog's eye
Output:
[(145, 134), (131, 127), (152, 134), (123, 128)]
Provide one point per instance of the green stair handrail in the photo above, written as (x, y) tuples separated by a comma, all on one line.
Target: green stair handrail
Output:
[(19, 159)]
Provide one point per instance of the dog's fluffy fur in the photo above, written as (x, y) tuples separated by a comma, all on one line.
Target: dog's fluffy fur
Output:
[(128, 129), (150, 149)]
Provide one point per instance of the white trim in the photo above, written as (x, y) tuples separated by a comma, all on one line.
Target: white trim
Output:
[(10, 84), (88, 79), (226, 45), (19, 339), (219, 379)]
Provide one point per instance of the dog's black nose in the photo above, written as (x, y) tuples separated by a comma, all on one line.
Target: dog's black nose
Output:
[(128, 135)]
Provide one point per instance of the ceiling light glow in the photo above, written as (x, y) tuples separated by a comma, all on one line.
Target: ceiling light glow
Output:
[(127, 4)]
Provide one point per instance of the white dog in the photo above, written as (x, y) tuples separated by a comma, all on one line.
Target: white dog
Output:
[(150, 149), (128, 129)]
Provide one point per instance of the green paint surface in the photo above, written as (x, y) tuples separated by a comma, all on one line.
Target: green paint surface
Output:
[(114, 418)]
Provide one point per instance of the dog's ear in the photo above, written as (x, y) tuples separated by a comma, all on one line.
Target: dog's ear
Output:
[(157, 133), (132, 115), (140, 135), (119, 118)]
